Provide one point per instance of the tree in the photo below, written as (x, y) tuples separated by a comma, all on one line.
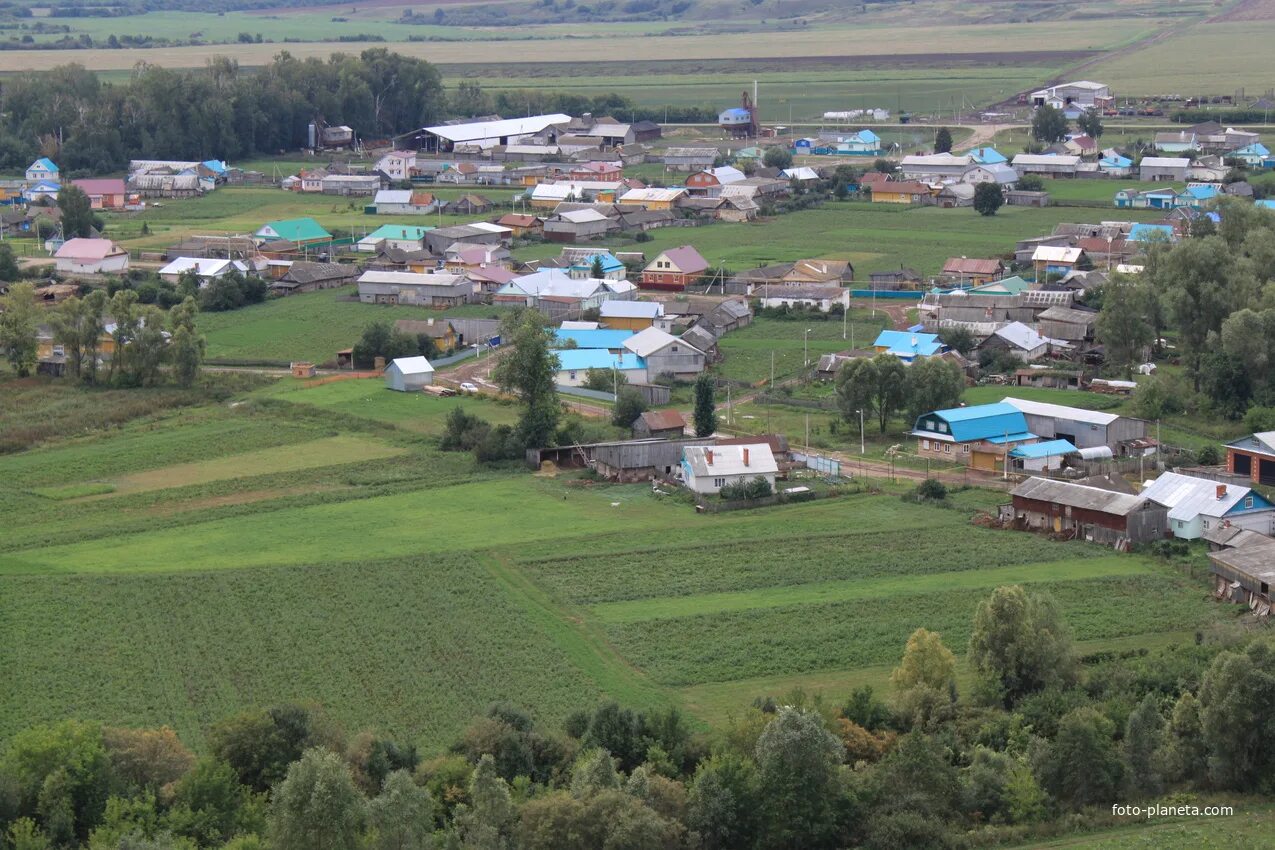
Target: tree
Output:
[(1020, 644), (777, 157), (988, 198), (629, 405), (1030, 183), (1237, 709), (78, 325), (932, 384), (723, 802), (595, 268), (1122, 325), (8, 265), (146, 759), (1090, 123), (1202, 282), (799, 763), (77, 211), (943, 140), (925, 679), (187, 343), (1249, 336), (1183, 753), (62, 775), (917, 775), (316, 807), (856, 384), (1142, 737), (260, 745), (705, 408), (18, 328), (488, 819), (958, 338), (890, 391), (210, 805), (527, 369), (594, 771), (401, 816), (1226, 382), (1049, 125), (1081, 767)]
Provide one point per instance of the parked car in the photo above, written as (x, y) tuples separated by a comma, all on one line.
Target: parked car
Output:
[(467, 387)]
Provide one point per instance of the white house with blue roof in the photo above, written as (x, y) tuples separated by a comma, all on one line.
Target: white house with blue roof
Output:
[(43, 169), (988, 156), (574, 365), (612, 269), (981, 436), (1254, 155), (1199, 505), (41, 190), (907, 345), (1115, 164)]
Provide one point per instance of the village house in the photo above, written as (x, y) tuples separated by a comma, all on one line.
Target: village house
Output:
[(90, 256), (1090, 513), (205, 270), (1059, 261), (674, 269), (406, 374), (468, 204), (107, 193), (980, 436), (301, 276), (659, 424), (907, 345), (438, 291), (1176, 141), (350, 185), (298, 231), (579, 226), (973, 271), (665, 354), (43, 170), (528, 290), (652, 199), (583, 262), (438, 240), (902, 192), (460, 256), (405, 237), (405, 202), (900, 278), (707, 469), (954, 195), (937, 166), (547, 196), (1243, 569), (1068, 324), (522, 224), (630, 315), (397, 165), (1047, 456), (689, 159), (1163, 168), (1199, 505), (574, 365), (709, 182), (1020, 340), (606, 171), (441, 331)]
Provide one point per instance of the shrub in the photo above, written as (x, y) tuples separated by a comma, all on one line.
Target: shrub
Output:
[(1208, 456), (747, 491)]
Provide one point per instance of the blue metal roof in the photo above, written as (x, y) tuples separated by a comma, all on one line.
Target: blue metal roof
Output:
[(45, 163), (1267, 204), (1116, 161), (600, 339), (988, 156), (1143, 232), (992, 422), (1201, 193), (579, 359), (868, 136), (1050, 448), (908, 344), (609, 262)]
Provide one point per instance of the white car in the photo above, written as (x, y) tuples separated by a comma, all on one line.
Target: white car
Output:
[(467, 387)]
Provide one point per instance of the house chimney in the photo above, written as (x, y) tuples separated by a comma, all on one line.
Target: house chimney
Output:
[(1221, 491), (708, 456), (745, 455)]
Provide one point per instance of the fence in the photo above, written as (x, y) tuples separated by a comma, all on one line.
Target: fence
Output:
[(719, 506), (888, 294)]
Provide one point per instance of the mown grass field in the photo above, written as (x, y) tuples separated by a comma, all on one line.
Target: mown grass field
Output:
[(1248, 827), (312, 543)]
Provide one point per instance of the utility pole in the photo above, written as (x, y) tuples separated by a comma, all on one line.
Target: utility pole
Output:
[(862, 449)]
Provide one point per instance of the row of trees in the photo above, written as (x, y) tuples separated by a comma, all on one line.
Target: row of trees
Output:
[(219, 111), (883, 387), (1041, 735), (135, 341)]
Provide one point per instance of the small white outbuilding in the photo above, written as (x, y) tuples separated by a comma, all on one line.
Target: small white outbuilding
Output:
[(408, 373)]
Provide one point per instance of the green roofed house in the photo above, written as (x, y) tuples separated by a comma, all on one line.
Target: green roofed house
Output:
[(301, 231), (1005, 286)]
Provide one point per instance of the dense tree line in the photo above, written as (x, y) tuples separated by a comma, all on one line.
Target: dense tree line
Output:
[(1214, 294), (220, 111), (1045, 742)]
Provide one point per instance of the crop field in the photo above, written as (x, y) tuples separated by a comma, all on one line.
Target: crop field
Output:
[(311, 543), (1225, 58)]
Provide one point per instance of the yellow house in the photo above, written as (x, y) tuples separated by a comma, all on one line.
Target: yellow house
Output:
[(629, 315), (47, 347), (651, 199), (906, 192)]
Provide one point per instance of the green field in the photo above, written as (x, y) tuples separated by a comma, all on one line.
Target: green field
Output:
[(1247, 828), (311, 543)]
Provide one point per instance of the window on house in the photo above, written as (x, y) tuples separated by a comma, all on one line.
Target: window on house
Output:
[(943, 427), (1206, 524), (719, 483), (965, 449), (1181, 524), (1248, 501), (1067, 511), (573, 374), (925, 444), (929, 425), (947, 448)]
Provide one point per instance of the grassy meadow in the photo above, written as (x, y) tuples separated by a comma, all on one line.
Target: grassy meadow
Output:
[(312, 543)]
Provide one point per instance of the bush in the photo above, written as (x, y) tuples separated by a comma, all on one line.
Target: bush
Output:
[(463, 432), (499, 443), (1208, 456), (747, 491), (1259, 419)]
